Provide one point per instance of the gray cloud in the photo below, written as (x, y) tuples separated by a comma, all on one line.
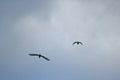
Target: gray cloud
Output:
[(50, 27)]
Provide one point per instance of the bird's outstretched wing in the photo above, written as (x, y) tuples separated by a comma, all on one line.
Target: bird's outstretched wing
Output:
[(45, 58), (34, 54), (81, 43), (73, 43)]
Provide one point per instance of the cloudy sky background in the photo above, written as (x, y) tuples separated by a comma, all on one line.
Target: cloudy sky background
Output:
[(50, 27)]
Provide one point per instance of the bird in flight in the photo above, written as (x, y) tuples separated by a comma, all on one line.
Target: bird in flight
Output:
[(77, 42), (39, 55)]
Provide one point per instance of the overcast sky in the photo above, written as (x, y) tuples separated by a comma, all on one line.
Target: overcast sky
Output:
[(50, 27)]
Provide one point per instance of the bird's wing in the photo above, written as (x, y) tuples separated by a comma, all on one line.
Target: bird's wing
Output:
[(81, 43), (73, 43), (34, 54), (45, 58)]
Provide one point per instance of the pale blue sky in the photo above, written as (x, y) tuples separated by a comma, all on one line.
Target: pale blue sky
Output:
[(50, 27)]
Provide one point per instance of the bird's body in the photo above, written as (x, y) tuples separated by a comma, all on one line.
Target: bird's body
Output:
[(39, 55), (77, 42)]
